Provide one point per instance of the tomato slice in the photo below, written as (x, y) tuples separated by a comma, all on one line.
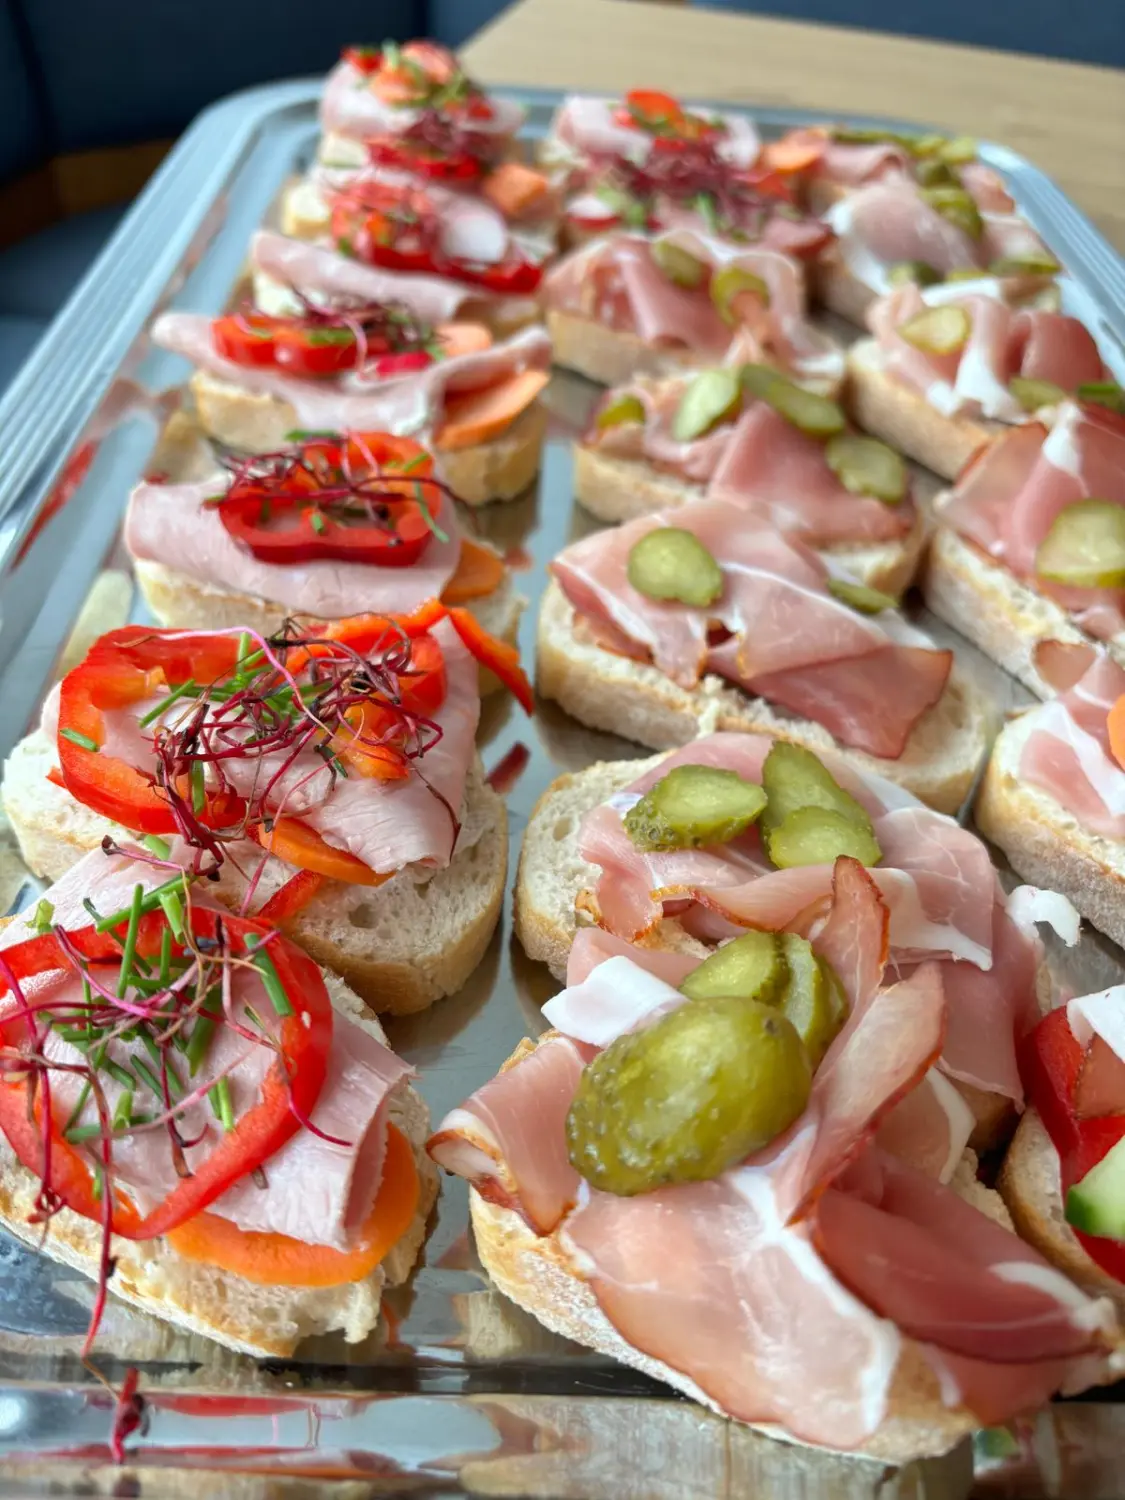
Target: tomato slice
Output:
[(364, 59), (246, 339), (279, 1260), (315, 353)]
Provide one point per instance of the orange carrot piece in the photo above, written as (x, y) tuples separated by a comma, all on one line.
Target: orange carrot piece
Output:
[(1116, 726), (479, 571), (796, 151), (463, 338), (473, 417), (514, 188)]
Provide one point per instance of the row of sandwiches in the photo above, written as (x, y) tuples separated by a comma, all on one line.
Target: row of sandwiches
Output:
[(798, 1003)]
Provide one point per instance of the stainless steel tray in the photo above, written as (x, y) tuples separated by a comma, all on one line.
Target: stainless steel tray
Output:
[(460, 1393)]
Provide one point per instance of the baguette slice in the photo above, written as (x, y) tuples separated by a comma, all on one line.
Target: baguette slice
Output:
[(254, 422), (636, 700), (620, 489), (401, 945), (996, 611), (539, 1274), (260, 1320), (834, 285), (1030, 1186), (902, 416), (1045, 843)]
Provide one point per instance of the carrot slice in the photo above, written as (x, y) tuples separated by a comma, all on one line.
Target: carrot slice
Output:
[(280, 1260), (513, 188), (479, 571), (298, 844), (473, 417), (1116, 726), (796, 151), (463, 338)]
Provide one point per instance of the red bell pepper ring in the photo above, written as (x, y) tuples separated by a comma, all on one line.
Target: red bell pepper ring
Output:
[(289, 1090), (1050, 1060)]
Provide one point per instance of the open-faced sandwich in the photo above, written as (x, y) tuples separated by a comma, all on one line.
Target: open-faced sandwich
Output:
[(320, 529), (1063, 1175), (748, 1174), (198, 1118), (328, 345), (703, 618), (326, 778), (632, 304), (951, 365), (648, 162), (1053, 794), (746, 436), (1028, 557)]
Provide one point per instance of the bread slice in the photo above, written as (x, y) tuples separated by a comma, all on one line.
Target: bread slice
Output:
[(401, 945), (834, 286), (1030, 1186), (620, 489), (996, 611), (253, 422), (1045, 843), (636, 700), (541, 1276), (260, 1320), (902, 416)]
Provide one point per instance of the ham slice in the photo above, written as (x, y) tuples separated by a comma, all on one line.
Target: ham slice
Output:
[(586, 126), (173, 524), (350, 106), (315, 1190), (1067, 754), (928, 1128), (652, 441), (789, 640), (1003, 342), (410, 404)]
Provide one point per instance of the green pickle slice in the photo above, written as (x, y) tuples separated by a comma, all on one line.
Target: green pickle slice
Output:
[(1032, 394), (956, 205), (1025, 265), (932, 171), (794, 778), (626, 408), (728, 283), (812, 414), (915, 272), (694, 807), (1105, 393), (687, 1097), (818, 836), (1085, 546), (753, 966), (670, 563), (938, 330), (679, 266), (710, 397), (959, 150), (866, 466), (861, 596), (813, 1001)]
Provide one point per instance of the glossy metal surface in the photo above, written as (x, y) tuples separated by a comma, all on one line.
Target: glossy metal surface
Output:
[(459, 1392)]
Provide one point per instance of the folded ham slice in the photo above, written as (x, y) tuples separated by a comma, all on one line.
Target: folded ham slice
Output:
[(786, 638), (1009, 495), (1003, 342), (585, 126), (350, 106), (1067, 752), (615, 281), (314, 1189)]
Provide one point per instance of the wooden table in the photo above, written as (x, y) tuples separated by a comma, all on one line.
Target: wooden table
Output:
[(1066, 117)]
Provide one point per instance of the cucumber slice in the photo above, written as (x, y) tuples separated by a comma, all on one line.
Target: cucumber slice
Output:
[(1096, 1205)]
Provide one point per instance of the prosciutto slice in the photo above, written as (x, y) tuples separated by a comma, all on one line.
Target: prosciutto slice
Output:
[(174, 525), (409, 405), (788, 640), (1009, 495), (615, 281), (1067, 752), (314, 1190), (1003, 342)]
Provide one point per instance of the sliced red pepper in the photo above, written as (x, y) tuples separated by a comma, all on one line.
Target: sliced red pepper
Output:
[(498, 656), (297, 844), (292, 897)]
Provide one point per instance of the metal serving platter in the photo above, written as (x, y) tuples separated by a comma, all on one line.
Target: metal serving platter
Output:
[(459, 1392)]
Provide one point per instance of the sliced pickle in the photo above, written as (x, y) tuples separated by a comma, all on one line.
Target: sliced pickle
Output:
[(818, 836), (669, 563), (1025, 265), (711, 397), (694, 807), (793, 778), (861, 596), (1105, 393), (958, 151), (965, 273), (812, 414), (728, 283), (624, 408), (938, 330), (931, 171), (925, 145), (859, 135), (679, 266), (687, 1097), (812, 998), (913, 272), (1033, 394), (956, 205), (1085, 546), (753, 967), (865, 466)]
